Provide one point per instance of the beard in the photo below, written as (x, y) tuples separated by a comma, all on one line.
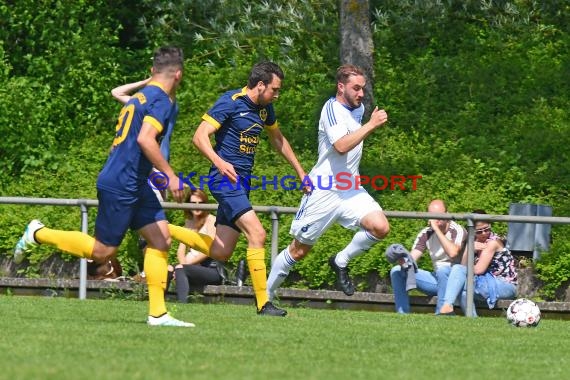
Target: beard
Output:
[(353, 102)]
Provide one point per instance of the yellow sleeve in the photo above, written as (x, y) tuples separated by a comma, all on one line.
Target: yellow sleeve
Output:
[(155, 123), (211, 120), (272, 126)]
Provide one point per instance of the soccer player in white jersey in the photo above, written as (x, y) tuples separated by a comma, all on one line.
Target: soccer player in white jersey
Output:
[(337, 196)]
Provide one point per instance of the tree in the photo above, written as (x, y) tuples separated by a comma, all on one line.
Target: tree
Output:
[(356, 44)]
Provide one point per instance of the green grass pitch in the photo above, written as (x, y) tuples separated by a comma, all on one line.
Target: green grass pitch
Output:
[(62, 338)]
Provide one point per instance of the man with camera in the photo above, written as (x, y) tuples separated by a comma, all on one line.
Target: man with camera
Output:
[(444, 240)]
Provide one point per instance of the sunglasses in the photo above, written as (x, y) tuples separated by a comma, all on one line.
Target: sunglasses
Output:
[(482, 230)]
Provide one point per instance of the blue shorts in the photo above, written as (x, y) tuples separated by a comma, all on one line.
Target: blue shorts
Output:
[(119, 212), (233, 199)]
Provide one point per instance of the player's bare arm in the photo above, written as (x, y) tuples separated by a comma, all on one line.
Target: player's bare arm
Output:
[(348, 142), (201, 140), (123, 93)]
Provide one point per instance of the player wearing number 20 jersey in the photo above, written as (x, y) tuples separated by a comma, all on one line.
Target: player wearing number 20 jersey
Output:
[(127, 168), (123, 182), (126, 199)]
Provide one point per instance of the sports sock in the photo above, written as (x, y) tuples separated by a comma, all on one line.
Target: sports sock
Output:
[(156, 268), (192, 239), (280, 268), (73, 242), (258, 273), (362, 241)]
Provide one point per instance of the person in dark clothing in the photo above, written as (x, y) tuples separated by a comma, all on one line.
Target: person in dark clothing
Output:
[(195, 269)]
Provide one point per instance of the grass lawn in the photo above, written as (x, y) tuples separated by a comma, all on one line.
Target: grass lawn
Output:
[(61, 338)]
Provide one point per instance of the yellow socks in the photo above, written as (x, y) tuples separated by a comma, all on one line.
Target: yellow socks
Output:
[(255, 259), (192, 239), (74, 242), (155, 268), (258, 273)]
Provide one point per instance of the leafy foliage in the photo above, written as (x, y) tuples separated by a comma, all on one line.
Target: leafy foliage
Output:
[(59, 61)]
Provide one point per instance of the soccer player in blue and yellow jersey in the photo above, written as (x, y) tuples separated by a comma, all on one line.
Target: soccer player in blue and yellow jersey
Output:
[(126, 200), (236, 120), (123, 94)]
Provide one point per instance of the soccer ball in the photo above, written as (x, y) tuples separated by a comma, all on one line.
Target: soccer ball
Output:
[(523, 313)]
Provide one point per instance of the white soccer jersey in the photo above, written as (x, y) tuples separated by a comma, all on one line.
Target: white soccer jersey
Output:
[(337, 120)]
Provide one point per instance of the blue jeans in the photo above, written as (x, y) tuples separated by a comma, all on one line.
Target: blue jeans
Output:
[(456, 289), (429, 283)]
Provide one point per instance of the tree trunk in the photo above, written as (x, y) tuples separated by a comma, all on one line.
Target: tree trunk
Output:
[(356, 44)]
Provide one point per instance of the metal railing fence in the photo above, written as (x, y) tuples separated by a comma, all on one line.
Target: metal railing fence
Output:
[(275, 211)]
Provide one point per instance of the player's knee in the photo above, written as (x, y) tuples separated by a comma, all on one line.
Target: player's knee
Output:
[(257, 236), (262, 234), (298, 251), (297, 255), (161, 244), (380, 230)]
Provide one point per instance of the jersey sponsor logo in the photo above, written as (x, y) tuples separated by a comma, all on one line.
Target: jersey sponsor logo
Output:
[(249, 139)]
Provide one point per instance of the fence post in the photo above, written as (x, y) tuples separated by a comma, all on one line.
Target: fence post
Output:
[(274, 234), (469, 312), (83, 261)]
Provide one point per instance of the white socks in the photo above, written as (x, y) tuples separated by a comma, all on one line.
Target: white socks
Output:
[(280, 268), (362, 241)]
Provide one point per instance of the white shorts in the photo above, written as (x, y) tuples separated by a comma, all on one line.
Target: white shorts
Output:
[(321, 208)]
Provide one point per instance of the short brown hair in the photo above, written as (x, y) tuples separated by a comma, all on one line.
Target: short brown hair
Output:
[(263, 72), (167, 58), (345, 71)]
